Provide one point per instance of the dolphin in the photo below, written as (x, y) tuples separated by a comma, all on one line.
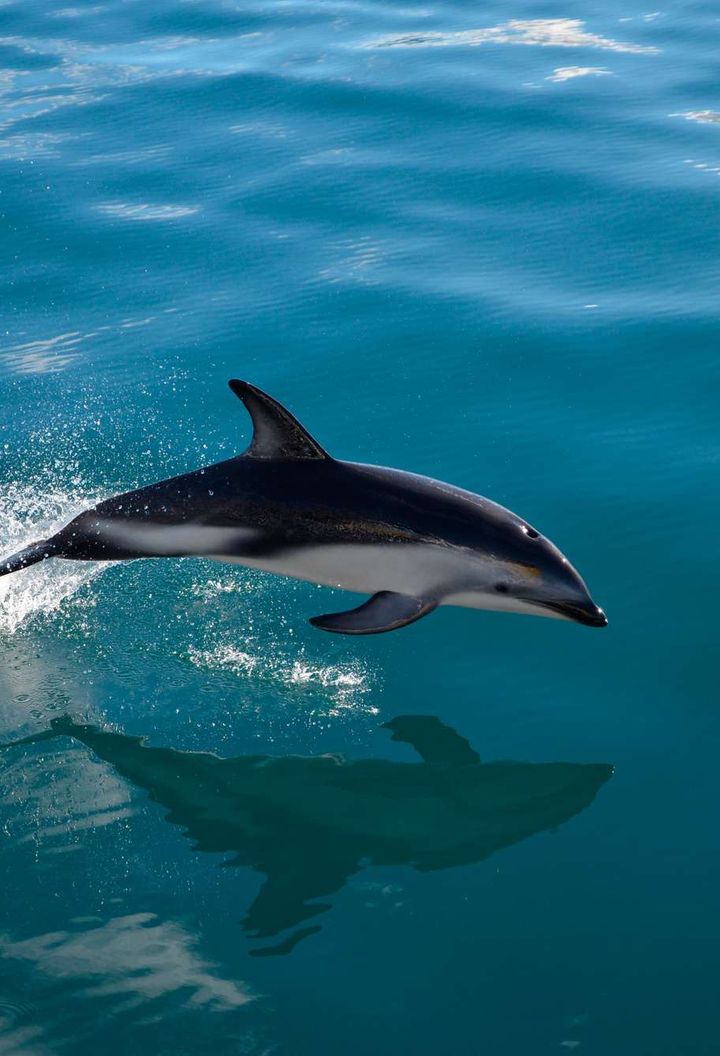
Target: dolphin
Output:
[(309, 823), (288, 507)]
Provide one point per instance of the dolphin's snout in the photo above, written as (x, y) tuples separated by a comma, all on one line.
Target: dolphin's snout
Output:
[(585, 612), (591, 615)]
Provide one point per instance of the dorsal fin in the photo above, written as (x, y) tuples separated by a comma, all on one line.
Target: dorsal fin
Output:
[(277, 433)]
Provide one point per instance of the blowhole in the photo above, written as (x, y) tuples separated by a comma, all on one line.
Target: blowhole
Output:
[(530, 532)]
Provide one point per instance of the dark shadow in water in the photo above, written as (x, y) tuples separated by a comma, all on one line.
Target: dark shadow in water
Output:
[(309, 823)]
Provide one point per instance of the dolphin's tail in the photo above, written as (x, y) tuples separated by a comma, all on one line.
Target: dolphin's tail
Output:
[(39, 551)]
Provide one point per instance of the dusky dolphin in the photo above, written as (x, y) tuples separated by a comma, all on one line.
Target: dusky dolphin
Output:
[(309, 823), (288, 507)]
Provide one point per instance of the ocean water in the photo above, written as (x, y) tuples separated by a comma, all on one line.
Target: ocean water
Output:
[(473, 241)]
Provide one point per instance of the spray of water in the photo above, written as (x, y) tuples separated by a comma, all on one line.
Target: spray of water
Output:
[(345, 684), (27, 513)]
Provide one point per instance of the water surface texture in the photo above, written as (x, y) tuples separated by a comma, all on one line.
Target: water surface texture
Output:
[(472, 241)]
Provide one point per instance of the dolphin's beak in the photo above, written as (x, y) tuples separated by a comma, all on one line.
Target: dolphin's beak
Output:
[(586, 612)]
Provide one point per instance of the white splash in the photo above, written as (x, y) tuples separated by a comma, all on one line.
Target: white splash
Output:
[(345, 683), (215, 588), (568, 73), (26, 515), (540, 32)]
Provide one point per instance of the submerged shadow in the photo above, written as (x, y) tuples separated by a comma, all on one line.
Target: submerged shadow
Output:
[(309, 823)]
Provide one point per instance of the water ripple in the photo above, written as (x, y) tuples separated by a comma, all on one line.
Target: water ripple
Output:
[(145, 211)]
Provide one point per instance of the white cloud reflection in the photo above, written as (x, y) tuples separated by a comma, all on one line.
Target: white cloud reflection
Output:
[(705, 117), (137, 958), (541, 32), (568, 73), (49, 355), (43, 356)]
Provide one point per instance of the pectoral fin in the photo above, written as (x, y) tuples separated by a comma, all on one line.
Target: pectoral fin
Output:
[(385, 611)]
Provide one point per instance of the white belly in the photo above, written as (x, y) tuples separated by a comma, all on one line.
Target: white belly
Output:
[(420, 571), (415, 570)]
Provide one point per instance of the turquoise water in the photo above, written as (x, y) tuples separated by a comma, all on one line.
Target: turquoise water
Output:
[(477, 243)]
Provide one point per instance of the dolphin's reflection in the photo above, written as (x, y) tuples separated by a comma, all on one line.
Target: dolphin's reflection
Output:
[(309, 823)]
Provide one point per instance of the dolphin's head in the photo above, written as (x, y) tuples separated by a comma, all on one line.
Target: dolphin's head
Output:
[(520, 570)]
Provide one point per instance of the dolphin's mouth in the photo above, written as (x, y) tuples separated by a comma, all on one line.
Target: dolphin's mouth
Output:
[(586, 613)]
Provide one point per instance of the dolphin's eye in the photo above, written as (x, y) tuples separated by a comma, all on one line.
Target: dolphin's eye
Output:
[(530, 532), (502, 588)]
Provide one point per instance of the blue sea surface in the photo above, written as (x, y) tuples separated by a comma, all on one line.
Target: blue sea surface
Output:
[(472, 241)]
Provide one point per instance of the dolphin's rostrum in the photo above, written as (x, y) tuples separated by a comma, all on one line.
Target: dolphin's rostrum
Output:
[(288, 507)]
